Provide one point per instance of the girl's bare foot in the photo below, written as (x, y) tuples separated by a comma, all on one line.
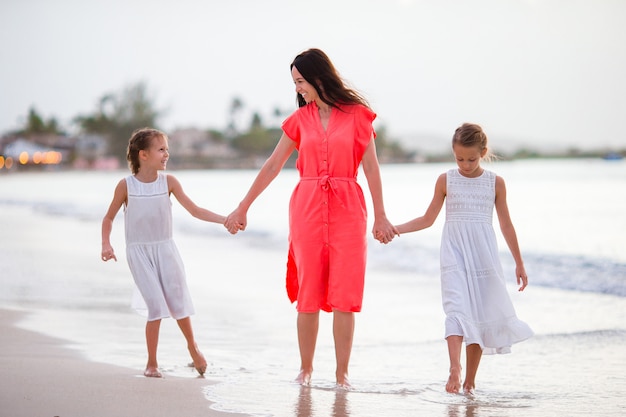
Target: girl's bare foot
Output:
[(454, 381), (152, 372), (198, 360), (304, 378)]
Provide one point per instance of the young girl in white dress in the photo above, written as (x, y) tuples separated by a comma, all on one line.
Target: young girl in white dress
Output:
[(152, 256), (477, 305)]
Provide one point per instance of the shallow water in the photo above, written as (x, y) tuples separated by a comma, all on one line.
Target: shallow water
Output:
[(570, 223)]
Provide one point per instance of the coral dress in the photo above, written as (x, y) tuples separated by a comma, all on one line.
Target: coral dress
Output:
[(327, 212), (153, 258), (475, 298)]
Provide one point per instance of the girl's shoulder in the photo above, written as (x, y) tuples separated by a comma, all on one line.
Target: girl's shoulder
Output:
[(498, 181), (123, 183), (489, 173), (451, 173), (442, 182), (172, 182), (492, 177), (121, 189), (127, 181)]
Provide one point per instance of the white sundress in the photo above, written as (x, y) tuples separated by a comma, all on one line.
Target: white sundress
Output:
[(153, 258), (475, 298)]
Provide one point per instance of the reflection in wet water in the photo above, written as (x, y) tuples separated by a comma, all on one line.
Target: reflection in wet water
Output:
[(305, 406)]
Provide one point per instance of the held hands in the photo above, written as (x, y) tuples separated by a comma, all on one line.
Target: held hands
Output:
[(384, 231), (236, 221)]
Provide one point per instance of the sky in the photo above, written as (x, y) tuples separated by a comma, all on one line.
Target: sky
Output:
[(537, 74)]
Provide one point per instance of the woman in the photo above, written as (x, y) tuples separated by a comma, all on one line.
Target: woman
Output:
[(332, 131)]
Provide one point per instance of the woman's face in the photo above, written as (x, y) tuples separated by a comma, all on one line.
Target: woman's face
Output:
[(306, 90)]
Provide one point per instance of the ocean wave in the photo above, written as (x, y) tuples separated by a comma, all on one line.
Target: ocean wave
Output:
[(58, 208), (563, 271), (578, 273), (596, 336), (553, 270)]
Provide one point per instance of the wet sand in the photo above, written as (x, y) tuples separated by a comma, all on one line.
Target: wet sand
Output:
[(43, 376)]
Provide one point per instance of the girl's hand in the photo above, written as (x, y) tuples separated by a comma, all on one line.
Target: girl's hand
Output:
[(107, 253), (522, 277)]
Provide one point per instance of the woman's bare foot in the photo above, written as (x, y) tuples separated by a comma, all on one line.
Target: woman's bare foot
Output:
[(345, 385), (468, 390), (152, 372), (343, 382), (454, 381), (198, 359), (303, 378)]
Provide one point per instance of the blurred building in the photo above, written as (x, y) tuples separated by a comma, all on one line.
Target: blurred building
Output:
[(38, 151), (196, 148)]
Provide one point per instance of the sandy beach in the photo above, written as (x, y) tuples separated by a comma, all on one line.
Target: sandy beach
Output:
[(42, 377)]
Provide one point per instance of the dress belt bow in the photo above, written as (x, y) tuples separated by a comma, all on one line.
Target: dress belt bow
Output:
[(328, 182)]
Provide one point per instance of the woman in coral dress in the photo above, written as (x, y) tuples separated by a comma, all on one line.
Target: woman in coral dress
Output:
[(333, 134)]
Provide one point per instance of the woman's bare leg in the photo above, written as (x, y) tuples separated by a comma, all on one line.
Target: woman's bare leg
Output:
[(308, 326), (343, 331)]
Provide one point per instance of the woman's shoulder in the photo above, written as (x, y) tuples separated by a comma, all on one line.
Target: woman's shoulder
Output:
[(353, 107), (307, 108), (358, 110), (306, 111)]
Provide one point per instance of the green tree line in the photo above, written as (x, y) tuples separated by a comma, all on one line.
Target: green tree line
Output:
[(118, 114)]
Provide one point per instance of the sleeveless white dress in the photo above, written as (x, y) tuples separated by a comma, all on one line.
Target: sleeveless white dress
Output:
[(475, 298), (153, 258)]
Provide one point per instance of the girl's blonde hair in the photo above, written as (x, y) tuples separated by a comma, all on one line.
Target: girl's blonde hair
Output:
[(139, 141), (472, 135)]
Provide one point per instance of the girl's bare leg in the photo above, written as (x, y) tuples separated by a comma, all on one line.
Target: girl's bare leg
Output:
[(152, 342), (454, 351), (308, 326), (343, 331), (473, 354), (198, 358)]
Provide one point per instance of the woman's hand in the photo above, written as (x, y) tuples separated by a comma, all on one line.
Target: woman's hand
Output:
[(236, 221), (384, 231)]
